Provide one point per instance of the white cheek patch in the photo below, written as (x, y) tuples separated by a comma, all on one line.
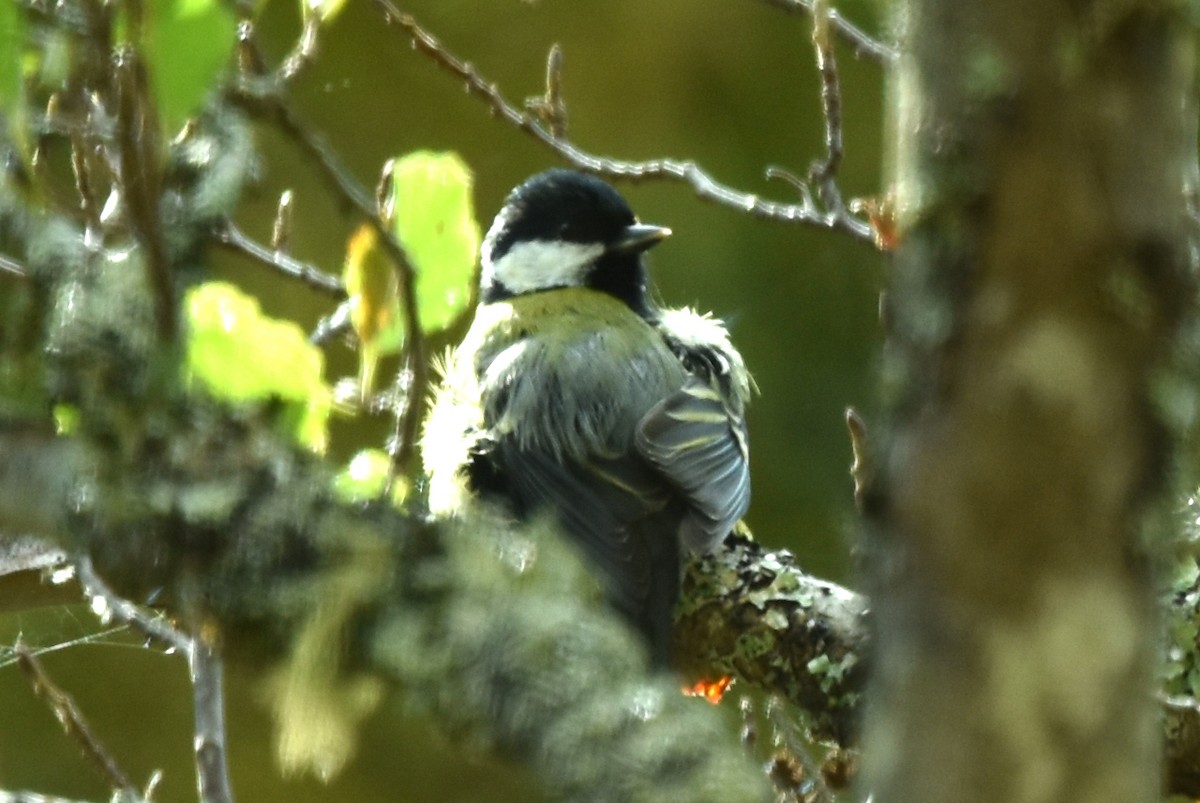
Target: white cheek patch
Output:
[(538, 264)]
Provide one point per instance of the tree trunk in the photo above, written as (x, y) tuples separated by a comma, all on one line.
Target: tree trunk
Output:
[(1041, 281)]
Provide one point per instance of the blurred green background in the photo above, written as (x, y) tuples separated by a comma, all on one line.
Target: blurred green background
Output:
[(730, 84)]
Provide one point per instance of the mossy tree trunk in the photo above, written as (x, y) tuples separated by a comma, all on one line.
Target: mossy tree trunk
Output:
[(1044, 153)]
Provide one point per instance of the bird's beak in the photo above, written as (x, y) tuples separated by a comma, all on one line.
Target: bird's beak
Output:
[(638, 238)]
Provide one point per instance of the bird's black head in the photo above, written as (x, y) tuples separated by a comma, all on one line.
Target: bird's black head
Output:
[(565, 229)]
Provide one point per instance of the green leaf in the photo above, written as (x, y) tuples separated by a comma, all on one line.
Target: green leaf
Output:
[(242, 356), (66, 419), (188, 43), (325, 10), (12, 44), (434, 219)]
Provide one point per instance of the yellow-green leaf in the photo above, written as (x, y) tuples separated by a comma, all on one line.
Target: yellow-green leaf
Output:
[(66, 419), (240, 355), (366, 477), (372, 286), (434, 219)]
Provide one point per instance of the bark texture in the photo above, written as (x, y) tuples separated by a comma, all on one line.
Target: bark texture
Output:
[(1041, 283)]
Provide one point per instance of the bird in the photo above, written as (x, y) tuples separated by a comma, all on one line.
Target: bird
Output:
[(575, 395)]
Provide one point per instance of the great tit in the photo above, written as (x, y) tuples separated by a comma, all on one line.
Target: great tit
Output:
[(574, 394)]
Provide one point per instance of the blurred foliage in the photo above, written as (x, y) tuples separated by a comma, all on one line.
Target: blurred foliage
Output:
[(731, 85), (11, 35), (241, 356), (365, 478), (188, 44)]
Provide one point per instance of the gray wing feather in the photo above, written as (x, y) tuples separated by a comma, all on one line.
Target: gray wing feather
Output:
[(610, 508), (702, 449)]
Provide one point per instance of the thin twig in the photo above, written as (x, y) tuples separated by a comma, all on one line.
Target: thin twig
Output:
[(550, 106), (72, 720), (281, 227), (861, 470), (823, 172), (84, 186), (305, 49), (332, 326), (234, 239), (12, 267), (749, 731), (212, 774), (407, 411), (865, 46), (317, 151), (686, 171), (250, 59), (137, 131)]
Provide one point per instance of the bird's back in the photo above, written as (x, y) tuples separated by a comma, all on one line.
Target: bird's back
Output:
[(564, 443)]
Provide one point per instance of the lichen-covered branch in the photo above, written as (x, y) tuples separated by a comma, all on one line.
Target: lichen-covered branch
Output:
[(747, 610), (753, 613)]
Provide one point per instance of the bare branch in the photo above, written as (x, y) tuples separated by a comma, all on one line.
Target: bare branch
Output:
[(212, 774), (72, 720), (316, 279), (688, 172), (864, 45), (208, 696)]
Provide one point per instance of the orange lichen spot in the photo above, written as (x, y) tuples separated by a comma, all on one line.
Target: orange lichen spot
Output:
[(881, 212), (710, 690)]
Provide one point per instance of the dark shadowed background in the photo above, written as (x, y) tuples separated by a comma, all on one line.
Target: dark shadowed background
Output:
[(728, 83)]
